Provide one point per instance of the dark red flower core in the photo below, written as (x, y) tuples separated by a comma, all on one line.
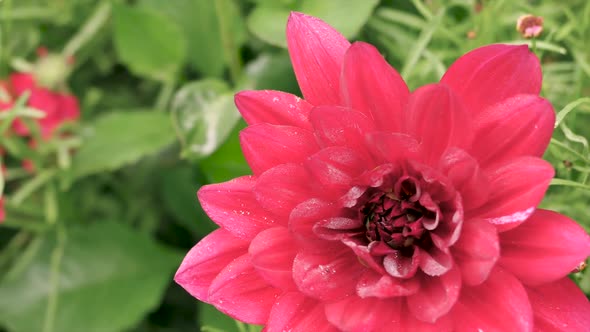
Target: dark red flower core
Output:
[(398, 220), (400, 217)]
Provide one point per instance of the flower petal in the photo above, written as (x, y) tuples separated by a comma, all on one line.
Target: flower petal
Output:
[(206, 259), (388, 147), (559, 306), (335, 167), (265, 145), (339, 126), (436, 118), (373, 284), (436, 296), (239, 292), (297, 313), (272, 253), (329, 275), (490, 74), (499, 304), (464, 173), (477, 251), (370, 85), (305, 215), (281, 188), (545, 248), (317, 52), (519, 126), (370, 314), (516, 188), (232, 205), (274, 107)]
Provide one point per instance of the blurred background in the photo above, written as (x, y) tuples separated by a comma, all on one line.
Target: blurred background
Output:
[(100, 211)]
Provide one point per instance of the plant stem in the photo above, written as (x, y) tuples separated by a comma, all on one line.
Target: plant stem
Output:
[(228, 42), (89, 29)]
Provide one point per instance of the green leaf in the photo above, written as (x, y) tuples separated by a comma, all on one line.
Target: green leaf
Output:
[(268, 22), (270, 71), (204, 114), (228, 161), (149, 43), (120, 138), (200, 26), (211, 319), (110, 277), (179, 187)]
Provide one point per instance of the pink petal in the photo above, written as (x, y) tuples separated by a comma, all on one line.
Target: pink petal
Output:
[(516, 188), (545, 248), (370, 85), (274, 107), (329, 275), (239, 292), (490, 74), (400, 266), (436, 296), (295, 312), (519, 126), (370, 314), (436, 119), (559, 306), (499, 304), (205, 260), (272, 252), (335, 167), (305, 215), (68, 107), (281, 188), (389, 147), (21, 82), (477, 251), (464, 173), (232, 205), (435, 262), (317, 52), (373, 284), (339, 126), (265, 145)]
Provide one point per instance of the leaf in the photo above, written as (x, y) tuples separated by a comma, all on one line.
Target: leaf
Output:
[(147, 42), (227, 162), (179, 187), (204, 114), (270, 71), (121, 138), (199, 23), (110, 277), (268, 21), (211, 319)]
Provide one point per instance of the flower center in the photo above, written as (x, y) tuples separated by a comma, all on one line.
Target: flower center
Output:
[(400, 217)]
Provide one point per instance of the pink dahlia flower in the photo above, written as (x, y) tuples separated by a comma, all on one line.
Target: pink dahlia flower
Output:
[(373, 208), (57, 107)]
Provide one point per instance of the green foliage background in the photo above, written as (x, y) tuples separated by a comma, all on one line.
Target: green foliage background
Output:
[(91, 242)]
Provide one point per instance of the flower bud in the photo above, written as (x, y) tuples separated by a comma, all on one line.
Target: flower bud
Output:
[(529, 26)]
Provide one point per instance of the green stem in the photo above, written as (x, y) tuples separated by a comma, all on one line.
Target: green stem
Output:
[(228, 42), (165, 95), (89, 29), (54, 280), (29, 187)]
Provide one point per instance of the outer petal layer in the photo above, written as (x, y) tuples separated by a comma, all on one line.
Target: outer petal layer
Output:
[(239, 292), (317, 52), (519, 126), (232, 206), (272, 252), (559, 306), (297, 313), (490, 74), (371, 86), (436, 118), (274, 107), (205, 260), (265, 146), (498, 305), (545, 248)]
